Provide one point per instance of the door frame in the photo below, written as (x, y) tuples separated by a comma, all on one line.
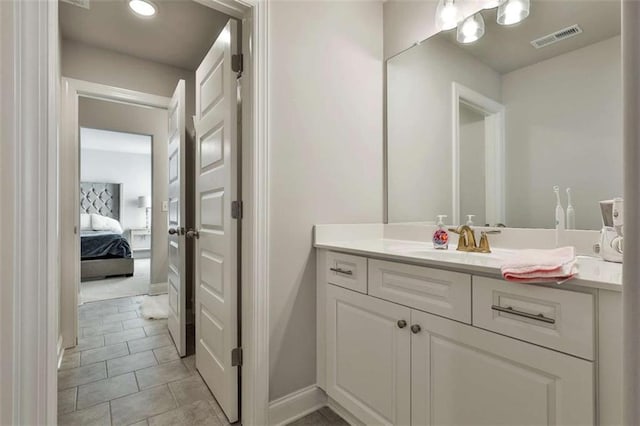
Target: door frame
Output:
[(30, 105), (71, 92), (494, 151)]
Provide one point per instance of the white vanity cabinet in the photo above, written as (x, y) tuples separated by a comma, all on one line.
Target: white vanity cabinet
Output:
[(369, 356), (462, 375), (386, 359)]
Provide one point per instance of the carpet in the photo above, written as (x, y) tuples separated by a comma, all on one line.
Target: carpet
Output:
[(113, 288)]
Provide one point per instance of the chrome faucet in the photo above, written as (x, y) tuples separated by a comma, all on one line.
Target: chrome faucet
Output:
[(467, 239)]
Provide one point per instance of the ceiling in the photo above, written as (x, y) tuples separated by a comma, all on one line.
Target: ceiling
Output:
[(106, 140), (506, 49), (179, 35)]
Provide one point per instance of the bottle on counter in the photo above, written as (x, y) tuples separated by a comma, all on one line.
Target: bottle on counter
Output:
[(441, 236)]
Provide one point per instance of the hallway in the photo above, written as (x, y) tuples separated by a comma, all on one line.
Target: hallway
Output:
[(125, 371)]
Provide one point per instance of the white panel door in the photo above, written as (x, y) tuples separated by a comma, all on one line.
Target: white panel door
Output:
[(462, 375), (216, 249), (368, 356), (177, 215)]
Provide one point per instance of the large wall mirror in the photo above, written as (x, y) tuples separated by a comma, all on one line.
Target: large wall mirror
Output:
[(489, 128)]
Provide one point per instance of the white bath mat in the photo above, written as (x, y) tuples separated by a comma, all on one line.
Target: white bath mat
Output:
[(155, 307)]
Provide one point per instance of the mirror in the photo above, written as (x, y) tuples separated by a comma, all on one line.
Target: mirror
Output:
[(488, 128)]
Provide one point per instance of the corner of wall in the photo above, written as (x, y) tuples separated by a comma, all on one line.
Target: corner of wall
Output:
[(297, 404)]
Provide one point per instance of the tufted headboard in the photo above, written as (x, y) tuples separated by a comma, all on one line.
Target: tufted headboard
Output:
[(101, 198)]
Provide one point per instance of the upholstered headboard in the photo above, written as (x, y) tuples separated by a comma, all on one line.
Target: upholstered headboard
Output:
[(101, 198)]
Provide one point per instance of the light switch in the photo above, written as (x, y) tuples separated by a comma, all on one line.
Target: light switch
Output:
[(165, 206)]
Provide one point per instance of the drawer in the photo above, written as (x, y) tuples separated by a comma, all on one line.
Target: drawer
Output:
[(347, 271), (558, 319), (435, 291)]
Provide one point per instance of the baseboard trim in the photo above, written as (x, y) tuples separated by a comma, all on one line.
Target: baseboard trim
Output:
[(298, 404), (344, 413), (158, 288), (60, 351)]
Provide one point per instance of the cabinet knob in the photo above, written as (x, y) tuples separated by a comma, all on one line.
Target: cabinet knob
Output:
[(415, 329), (402, 323)]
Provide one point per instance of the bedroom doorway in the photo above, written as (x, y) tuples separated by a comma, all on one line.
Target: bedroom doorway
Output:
[(115, 213)]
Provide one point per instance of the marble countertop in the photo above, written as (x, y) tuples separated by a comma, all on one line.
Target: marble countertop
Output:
[(592, 272)]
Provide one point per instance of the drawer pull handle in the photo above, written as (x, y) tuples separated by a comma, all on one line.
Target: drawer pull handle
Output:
[(341, 271), (402, 323), (415, 328), (510, 310)]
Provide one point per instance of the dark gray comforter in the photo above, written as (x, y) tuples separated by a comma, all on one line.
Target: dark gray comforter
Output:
[(103, 245)]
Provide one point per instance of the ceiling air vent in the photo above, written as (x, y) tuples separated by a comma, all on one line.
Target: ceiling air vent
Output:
[(563, 34), (80, 3)]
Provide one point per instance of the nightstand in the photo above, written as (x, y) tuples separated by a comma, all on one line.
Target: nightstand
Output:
[(140, 242)]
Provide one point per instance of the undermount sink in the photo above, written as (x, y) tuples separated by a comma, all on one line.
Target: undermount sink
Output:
[(427, 249)]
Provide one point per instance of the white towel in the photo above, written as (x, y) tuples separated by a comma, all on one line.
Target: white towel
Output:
[(534, 266)]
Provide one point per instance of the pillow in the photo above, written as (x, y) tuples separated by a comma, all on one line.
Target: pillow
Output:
[(104, 223), (85, 222)]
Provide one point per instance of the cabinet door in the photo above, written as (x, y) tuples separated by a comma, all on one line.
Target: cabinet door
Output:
[(462, 375), (368, 356)]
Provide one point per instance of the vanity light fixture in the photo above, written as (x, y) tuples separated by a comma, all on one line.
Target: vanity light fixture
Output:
[(447, 15), (471, 29), (143, 8), (511, 12), (490, 4)]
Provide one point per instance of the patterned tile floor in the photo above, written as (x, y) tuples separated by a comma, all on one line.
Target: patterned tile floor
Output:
[(126, 371)]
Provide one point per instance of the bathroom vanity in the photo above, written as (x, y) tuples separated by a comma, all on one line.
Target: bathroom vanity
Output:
[(410, 335)]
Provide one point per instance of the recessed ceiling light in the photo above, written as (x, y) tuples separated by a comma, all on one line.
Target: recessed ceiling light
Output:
[(143, 8)]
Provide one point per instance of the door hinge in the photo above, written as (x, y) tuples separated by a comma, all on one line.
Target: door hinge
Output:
[(236, 209), (236, 357), (237, 63)]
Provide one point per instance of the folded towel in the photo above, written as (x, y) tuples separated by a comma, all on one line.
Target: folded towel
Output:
[(534, 266)]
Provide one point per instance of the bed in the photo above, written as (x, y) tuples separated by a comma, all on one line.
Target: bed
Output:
[(103, 253)]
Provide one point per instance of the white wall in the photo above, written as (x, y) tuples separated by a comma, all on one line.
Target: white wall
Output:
[(325, 131), (419, 115), (564, 127), (133, 171), (116, 69)]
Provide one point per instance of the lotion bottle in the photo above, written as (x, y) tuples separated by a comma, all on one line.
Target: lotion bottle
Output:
[(441, 236)]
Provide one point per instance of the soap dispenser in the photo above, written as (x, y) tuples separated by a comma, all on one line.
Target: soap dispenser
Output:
[(470, 219), (441, 236)]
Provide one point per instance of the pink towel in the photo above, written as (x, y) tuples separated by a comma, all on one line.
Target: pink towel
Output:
[(535, 266)]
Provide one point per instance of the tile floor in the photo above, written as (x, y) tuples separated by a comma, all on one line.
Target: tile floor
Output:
[(323, 417), (126, 371)]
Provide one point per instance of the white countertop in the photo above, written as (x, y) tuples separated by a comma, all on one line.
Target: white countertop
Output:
[(592, 272)]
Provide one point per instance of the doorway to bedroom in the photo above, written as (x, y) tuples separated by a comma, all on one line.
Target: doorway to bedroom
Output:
[(192, 82), (115, 213)]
